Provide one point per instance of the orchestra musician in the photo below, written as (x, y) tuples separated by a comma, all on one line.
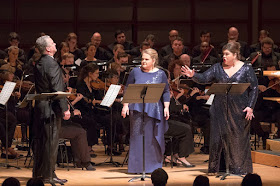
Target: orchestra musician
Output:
[(90, 104)]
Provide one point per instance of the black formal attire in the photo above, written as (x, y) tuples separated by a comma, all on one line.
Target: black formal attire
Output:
[(128, 46), (266, 60), (135, 51), (21, 55), (166, 50), (228, 119), (257, 47), (100, 54), (12, 122), (48, 78), (201, 118), (181, 131), (93, 115), (196, 52), (244, 49), (265, 110), (78, 54), (3, 54), (168, 59)]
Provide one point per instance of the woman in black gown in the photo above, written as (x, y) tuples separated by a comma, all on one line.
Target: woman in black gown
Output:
[(233, 126)]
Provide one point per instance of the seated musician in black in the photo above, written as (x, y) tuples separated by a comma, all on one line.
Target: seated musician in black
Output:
[(90, 53), (14, 40), (78, 139), (257, 46), (101, 53), (194, 98), (266, 56), (144, 45), (6, 75), (120, 38), (122, 128), (181, 131), (205, 36), (89, 105), (167, 49), (265, 110), (177, 51), (149, 41), (72, 41), (204, 56)]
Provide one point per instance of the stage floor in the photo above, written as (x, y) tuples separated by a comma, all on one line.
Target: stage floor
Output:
[(110, 175)]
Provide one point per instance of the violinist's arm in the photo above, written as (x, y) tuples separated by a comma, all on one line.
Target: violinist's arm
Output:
[(96, 101), (77, 99)]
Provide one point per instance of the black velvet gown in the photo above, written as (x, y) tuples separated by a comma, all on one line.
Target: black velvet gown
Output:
[(236, 129)]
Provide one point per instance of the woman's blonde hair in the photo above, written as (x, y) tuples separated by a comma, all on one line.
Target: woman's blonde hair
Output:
[(153, 53)]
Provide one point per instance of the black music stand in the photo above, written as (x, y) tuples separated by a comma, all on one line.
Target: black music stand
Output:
[(107, 102), (4, 97), (143, 93), (50, 97), (227, 89)]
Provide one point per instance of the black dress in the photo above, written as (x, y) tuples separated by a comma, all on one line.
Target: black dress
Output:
[(236, 130)]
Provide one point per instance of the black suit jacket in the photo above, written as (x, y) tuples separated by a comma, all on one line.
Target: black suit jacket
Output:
[(244, 49), (166, 50), (48, 78)]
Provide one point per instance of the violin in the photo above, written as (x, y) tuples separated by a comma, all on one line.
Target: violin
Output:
[(176, 89), (97, 84), (274, 84)]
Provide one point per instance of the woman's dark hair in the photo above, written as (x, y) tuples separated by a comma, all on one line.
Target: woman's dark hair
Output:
[(61, 45), (91, 67), (233, 47), (173, 63)]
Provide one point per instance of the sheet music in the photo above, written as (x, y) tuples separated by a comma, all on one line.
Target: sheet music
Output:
[(111, 95), (210, 100), (6, 92)]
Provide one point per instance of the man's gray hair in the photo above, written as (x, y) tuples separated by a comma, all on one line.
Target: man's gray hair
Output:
[(42, 43)]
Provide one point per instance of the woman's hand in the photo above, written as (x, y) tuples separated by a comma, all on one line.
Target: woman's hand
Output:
[(249, 114), (125, 110), (185, 70), (194, 91), (166, 113)]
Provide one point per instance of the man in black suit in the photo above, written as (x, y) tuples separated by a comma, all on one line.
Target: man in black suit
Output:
[(205, 36), (120, 38), (267, 56), (204, 56), (166, 50), (233, 35), (257, 46), (47, 120), (14, 40)]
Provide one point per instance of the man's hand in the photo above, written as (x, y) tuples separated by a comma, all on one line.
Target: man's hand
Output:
[(262, 88)]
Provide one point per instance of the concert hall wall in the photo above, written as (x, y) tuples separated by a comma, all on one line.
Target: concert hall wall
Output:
[(138, 18)]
